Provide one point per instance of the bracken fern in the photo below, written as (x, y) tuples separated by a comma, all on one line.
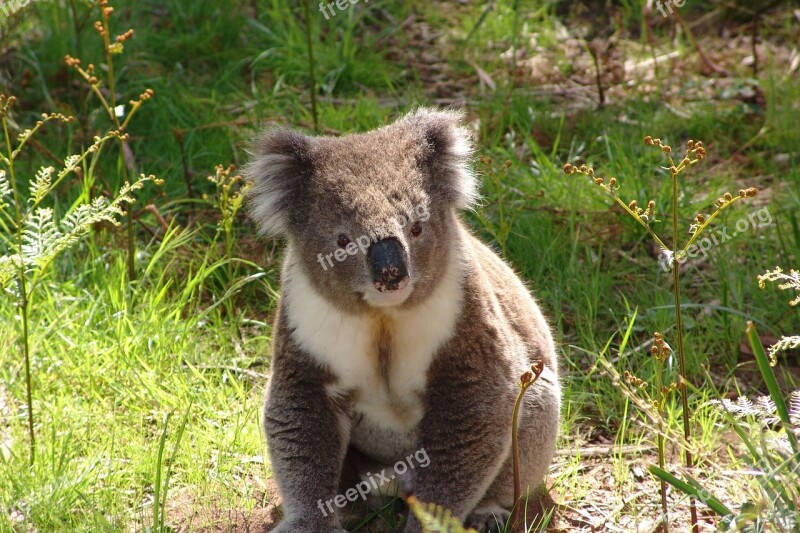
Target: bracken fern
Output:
[(31, 237), (771, 433), (435, 518), (786, 281)]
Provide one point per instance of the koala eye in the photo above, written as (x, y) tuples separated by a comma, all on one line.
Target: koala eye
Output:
[(343, 240), (416, 229)]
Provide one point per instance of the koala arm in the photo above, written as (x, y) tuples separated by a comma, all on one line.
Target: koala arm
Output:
[(466, 432), (307, 432)]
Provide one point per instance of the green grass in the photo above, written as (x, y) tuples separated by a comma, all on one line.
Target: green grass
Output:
[(154, 385), (107, 383)]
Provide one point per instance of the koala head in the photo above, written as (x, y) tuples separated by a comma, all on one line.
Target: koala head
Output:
[(369, 217)]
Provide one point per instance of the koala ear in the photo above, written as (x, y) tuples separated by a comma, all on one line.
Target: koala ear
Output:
[(445, 153), (280, 163)]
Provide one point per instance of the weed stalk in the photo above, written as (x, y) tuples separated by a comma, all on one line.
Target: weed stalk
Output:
[(229, 199), (525, 381), (661, 352), (22, 297), (695, 152), (312, 79), (682, 380), (110, 106)]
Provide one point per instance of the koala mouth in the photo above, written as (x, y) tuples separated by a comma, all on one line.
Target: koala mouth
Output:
[(388, 297), (400, 284)]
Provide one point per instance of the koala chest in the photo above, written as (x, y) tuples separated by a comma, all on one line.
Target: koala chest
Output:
[(380, 363), (381, 371), (379, 360)]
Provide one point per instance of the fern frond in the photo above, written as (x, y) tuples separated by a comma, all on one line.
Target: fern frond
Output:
[(80, 220), (70, 164), (786, 281), (9, 267), (794, 408), (762, 411), (789, 342), (40, 185), (39, 236), (43, 239), (741, 407), (5, 190), (766, 405), (434, 518), (5, 186)]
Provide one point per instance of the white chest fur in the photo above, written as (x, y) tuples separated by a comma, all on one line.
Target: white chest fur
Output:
[(347, 345)]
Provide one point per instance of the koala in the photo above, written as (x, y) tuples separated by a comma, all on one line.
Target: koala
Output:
[(399, 336)]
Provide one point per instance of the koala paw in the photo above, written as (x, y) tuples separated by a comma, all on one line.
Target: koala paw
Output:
[(304, 526), (489, 520)]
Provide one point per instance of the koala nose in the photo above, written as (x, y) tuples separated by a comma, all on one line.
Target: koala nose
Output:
[(387, 263)]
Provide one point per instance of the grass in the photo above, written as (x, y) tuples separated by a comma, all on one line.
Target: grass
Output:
[(151, 390)]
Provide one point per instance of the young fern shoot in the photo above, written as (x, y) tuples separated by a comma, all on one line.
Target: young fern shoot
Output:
[(525, 381)]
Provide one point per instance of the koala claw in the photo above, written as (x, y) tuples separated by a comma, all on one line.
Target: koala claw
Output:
[(489, 520), (303, 526)]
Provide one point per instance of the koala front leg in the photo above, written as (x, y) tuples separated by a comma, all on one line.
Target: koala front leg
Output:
[(307, 434), (466, 432)]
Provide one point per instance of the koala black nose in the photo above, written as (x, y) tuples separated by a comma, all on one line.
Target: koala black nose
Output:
[(388, 265)]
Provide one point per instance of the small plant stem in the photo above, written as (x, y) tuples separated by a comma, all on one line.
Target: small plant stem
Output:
[(754, 39), (594, 51), (524, 384), (702, 228), (312, 77), (514, 38), (23, 292), (660, 444), (136, 105), (131, 247), (103, 102), (23, 304), (501, 216), (648, 32), (111, 109), (676, 286), (703, 57), (131, 243), (187, 176), (11, 176), (663, 488), (515, 452), (638, 219), (110, 64)]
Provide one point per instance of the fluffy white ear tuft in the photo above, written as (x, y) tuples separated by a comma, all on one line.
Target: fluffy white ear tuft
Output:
[(447, 153), (279, 165)]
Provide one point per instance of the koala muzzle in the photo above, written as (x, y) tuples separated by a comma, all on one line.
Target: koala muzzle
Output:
[(387, 263)]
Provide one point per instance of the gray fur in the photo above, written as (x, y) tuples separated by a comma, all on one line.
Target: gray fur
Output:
[(357, 382)]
